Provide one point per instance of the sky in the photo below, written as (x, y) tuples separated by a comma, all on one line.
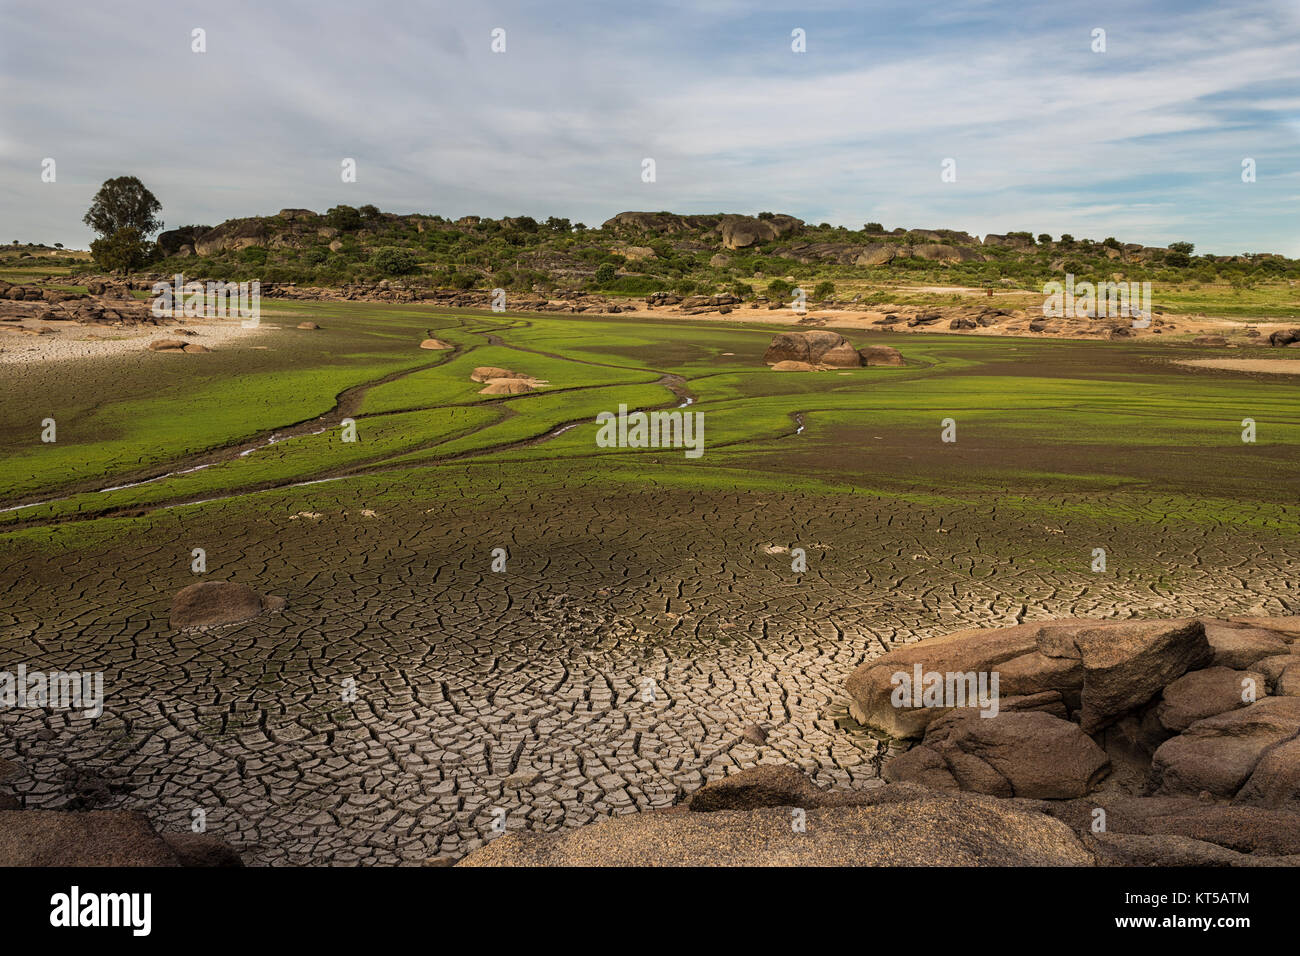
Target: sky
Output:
[(1143, 141)]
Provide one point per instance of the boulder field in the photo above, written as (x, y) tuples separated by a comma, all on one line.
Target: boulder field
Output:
[(1073, 742)]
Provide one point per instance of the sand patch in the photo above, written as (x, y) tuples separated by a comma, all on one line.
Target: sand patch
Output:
[(69, 342), (506, 386), (1269, 366)]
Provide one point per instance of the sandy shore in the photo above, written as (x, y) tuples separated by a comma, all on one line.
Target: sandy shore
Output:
[(70, 341)]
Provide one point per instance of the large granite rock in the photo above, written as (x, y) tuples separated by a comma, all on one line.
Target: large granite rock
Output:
[(1017, 754), (1220, 754), (1127, 663), (811, 346), (910, 826), (1207, 693), (1240, 646)]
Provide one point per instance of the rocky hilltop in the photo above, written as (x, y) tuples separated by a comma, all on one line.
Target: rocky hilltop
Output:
[(639, 253)]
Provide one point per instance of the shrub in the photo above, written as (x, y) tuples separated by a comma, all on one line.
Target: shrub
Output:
[(125, 249), (634, 285), (605, 273), (394, 262), (824, 290), (344, 218)]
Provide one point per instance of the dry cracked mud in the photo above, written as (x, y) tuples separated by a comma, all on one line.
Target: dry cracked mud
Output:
[(613, 665)]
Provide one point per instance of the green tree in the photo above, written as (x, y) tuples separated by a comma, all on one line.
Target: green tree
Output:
[(1044, 237), (125, 249), (344, 218), (605, 273), (394, 262), (1184, 247), (123, 203), (778, 289), (824, 290)]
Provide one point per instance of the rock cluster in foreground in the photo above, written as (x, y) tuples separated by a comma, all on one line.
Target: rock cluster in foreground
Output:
[(1185, 707), (1114, 743)]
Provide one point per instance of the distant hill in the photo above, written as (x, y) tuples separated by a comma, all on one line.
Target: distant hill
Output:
[(638, 253)]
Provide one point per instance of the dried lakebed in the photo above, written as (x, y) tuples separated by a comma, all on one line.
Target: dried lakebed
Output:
[(522, 696)]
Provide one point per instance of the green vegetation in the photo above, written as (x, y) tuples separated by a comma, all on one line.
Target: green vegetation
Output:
[(348, 244), (1099, 422)]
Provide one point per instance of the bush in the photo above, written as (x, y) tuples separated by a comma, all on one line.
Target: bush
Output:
[(125, 249), (394, 262), (823, 290), (634, 285), (605, 273), (344, 218)]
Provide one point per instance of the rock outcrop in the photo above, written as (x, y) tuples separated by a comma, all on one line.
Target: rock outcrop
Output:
[(1155, 700), (821, 347), (217, 603), (888, 827)]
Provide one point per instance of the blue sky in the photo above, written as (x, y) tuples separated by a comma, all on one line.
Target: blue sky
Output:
[(1144, 141)]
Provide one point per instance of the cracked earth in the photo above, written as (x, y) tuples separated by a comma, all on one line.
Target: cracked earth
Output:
[(614, 665)]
